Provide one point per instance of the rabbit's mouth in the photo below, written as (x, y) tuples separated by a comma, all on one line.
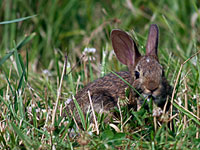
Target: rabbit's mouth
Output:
[(148, 97), (156, 99)]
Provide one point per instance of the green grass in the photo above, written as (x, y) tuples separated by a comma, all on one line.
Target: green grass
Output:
[(32, 55)]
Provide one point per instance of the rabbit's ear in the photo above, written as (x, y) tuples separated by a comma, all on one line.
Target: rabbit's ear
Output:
[(124, 48), (152, 42)]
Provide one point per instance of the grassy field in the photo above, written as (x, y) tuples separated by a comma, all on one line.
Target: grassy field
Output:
[(40, 38)]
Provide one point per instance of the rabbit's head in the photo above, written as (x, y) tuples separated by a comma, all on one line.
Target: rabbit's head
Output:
[(148, 74)]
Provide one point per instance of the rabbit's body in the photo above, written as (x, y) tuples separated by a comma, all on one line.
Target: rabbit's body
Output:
[(145, 74), (104, 92)]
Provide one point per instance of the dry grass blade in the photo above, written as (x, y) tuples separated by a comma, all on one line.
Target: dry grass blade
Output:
[(58, 94), (74, 119), (115, 127), (121, 117), (186, 102), (155, 123), (78, 82), (172, 117), (198, 113), (81, 58), (165, 106), (126, 121), (95, 120)]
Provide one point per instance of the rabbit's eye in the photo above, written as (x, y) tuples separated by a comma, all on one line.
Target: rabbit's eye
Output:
[(163, 73), (137, 74)]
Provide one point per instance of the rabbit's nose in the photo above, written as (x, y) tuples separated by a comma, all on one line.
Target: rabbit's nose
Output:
[(152, 86)]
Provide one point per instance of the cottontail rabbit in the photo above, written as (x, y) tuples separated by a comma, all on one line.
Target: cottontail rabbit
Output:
[(145, 74)]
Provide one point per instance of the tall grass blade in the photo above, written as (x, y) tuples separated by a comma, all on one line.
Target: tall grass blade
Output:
[(19, 70), (21, 106), (128, 84), (27, 61), (17, 20), (70, 77), (18, 47), (21, 81), (11, 88), (80, 112), (103, 66), (25, 41), (6, 57)]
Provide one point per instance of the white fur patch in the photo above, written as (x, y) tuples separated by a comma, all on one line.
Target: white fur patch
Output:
[(147, 60)]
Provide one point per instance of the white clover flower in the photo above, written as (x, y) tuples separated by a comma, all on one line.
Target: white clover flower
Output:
[(44, 110), (89, 53), (7, 97), (44, 129), (157, 112), (194, 97), (68, 101), (89, 50), (47, 72), (29, 109), (20, 92), (193, 108), (194, 61), (179, 101), (184, 90), (37, 110), (90, 133), (68, 65), (72, 133)]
